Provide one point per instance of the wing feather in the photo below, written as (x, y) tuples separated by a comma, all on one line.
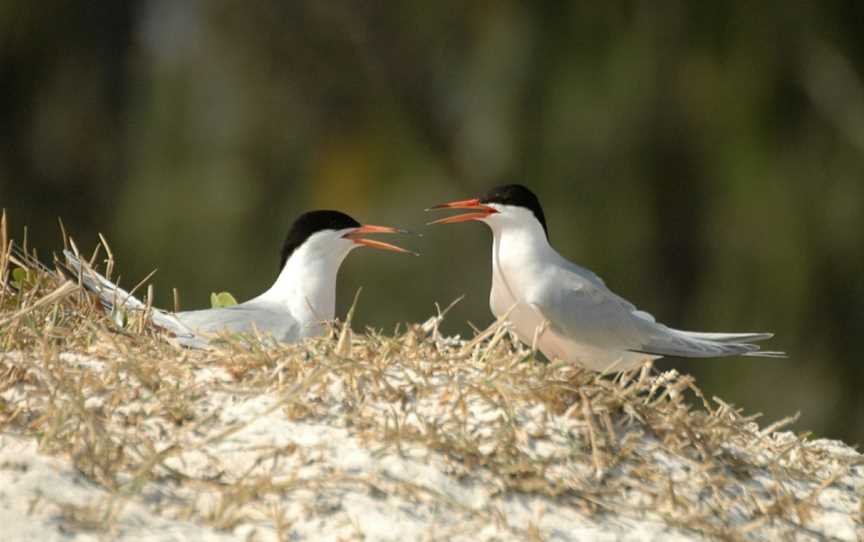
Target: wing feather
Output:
[(243, 318), (585, 310), (581, 308)]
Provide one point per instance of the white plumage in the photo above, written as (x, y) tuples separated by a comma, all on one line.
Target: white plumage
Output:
[(293, 308), (569, 310)]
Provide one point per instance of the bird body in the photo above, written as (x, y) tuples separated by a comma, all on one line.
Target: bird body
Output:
[(530, 279), (295, 307), (567, 310)]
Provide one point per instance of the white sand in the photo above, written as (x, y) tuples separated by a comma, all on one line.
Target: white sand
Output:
[(337, 484)]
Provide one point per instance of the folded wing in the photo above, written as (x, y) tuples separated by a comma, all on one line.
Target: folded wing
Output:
[(582, 309)]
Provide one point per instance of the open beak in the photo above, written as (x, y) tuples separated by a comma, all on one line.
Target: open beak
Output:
[(481, 211), (356, 235)]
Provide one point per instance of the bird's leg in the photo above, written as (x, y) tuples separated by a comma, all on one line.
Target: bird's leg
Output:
[(539, 330), (538, 334), (499, 321)]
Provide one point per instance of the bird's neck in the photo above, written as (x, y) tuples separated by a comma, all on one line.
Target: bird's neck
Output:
[(520, 244), (306, 286), (516, 251)]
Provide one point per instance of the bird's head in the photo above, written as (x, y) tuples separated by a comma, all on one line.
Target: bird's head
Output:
[(509, 205), (332, 235)]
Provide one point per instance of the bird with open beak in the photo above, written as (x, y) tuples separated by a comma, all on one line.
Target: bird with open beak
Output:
[(567, 309), (296, 306)]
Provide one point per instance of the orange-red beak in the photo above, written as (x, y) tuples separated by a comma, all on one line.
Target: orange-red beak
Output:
[(356, 236), (481, 211)]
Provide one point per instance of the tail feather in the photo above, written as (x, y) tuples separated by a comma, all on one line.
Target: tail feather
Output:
[(114, 297), (707, 345), (111, 295), (727, 337), (767, 354)]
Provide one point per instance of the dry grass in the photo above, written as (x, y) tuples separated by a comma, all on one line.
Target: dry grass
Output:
[(133, 412)]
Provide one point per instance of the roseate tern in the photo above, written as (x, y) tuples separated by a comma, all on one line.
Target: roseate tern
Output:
[(296, 305), (567, 309)]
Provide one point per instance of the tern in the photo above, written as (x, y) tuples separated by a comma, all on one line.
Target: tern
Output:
[(567, 311), (296, 305)]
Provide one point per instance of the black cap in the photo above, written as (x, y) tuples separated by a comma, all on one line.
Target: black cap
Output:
[(310, 223), (517, 195)]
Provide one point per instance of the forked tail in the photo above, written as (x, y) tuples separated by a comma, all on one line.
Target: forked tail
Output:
[(116, 300), (693, 344), (110, 295)]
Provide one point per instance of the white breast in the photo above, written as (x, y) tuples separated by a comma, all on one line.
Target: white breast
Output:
[(517, 268), (503, 301)]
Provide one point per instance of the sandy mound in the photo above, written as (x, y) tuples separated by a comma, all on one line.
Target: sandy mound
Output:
[(116, 433)]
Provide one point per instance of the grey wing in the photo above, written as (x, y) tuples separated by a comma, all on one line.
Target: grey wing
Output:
[(579, 307), (244, 318), (113, 298), (582, 309), (109, 293)]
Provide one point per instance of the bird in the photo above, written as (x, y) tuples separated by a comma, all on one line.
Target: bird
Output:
[(295, 307), (566, 310)]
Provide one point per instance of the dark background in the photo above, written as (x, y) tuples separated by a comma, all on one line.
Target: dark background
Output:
[(705, 158)]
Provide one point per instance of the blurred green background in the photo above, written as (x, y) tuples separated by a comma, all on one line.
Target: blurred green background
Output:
[(705, 158)]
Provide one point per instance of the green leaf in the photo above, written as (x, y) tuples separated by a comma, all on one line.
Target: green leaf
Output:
[(221, 300), (20, 277)]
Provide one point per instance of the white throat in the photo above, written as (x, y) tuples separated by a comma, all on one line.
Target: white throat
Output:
[(519, 250), (518, 239), (306, 286)]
